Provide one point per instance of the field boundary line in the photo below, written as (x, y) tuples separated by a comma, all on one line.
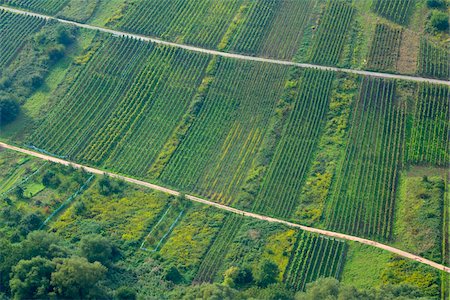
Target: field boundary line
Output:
[(226, 54), (323, 232)]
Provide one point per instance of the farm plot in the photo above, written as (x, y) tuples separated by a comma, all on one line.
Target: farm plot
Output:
[(272, 28), (79, 10), (429, 140), (115, 110), (213, 259), (50, 7), (313, 257), (394, 10), (363, 195), (201, 23), (216, 154), (192, 238), (281, 188), (14, 31), (328, 43), (433, 60), (126, 215), (385, 48)]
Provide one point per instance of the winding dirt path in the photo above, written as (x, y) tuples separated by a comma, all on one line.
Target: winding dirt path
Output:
[(234, 210), (225, 54)]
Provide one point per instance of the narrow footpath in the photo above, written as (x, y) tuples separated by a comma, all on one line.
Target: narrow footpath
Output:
[(234, 210)]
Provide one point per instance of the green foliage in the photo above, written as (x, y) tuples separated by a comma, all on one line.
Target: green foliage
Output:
[(108, 186), (439, 20), (205, 291), (385, 48), (266, 273), (50, 179), (173, 275), (44, 6), (436, 3), (94, 248), (76, 278), (419, 215), (125, 293), (396, 10), (31, 278), (9, 109)]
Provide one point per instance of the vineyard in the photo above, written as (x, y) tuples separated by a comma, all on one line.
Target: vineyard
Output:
[(385, 47), (363, 196), (216, 154), (429, 141), (281, 188), (213, 259), (14, 31), (433, 60), (395, 10), (162, 79), (330, 37), (313, 257), (50, 7), (200, 23)]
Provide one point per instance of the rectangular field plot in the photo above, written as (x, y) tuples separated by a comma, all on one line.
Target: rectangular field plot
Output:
[(280, 191), (433, 60), (122, 104), (14, 31), (195, 22), (272, 28), (395, 10), (214, 157), (429, 138), (363, 193), (50, 7), (313, 257), (385, 48)]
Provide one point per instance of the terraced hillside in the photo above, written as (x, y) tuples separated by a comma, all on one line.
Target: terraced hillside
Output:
[(343, 151)]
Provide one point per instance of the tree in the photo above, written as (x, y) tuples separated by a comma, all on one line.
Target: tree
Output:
[(29, 223), (50, 179), (76, 278), (266, 273), (237, 277), (172, 274), (9, 109), (125, 293), (44, 244), (435, 3), (439, 20), (31, 278), (95, 247)]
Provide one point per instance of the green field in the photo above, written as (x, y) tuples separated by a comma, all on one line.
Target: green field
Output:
[(362, 155)]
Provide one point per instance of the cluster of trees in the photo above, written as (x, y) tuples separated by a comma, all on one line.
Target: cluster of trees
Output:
[(27, 72), (438, 15), (43, 266)]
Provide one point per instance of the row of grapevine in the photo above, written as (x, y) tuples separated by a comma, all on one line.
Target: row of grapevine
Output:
[(116, 109), (312, 257), (14, 31), (50, 7), (330, 38), (430, 132), (213, 259), (249, 37), (163, 227), (282, 186), (201, 23), (385, 48), (363, 196), (158, 89), (216, 154), (395, 10), (433, 60), (91, 95)]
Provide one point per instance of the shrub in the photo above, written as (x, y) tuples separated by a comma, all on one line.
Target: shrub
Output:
[(9, 110), (439, 20)]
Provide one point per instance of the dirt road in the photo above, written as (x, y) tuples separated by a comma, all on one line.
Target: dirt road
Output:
[(234, 210), (229, 55)]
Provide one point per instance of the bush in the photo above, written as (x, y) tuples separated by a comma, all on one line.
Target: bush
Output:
[(9, 110), (50, 180), (435, 3), (125, 293), (439, 20), (266, 273)]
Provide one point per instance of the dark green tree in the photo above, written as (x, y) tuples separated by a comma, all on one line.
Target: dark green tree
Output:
[(76, 278), (9, 109), (31, 278), (439, 20), (266, 273), (125, 293), (95, 247)]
